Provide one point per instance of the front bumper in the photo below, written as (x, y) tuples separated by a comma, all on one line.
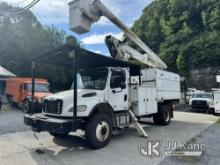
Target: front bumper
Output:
[(200, 107), (37, 108), (40, 122)]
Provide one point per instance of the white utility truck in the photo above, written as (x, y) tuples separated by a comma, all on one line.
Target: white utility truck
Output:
[(109, 98), (202, 102)]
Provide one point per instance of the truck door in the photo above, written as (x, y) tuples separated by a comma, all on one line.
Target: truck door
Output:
[(118, 93)]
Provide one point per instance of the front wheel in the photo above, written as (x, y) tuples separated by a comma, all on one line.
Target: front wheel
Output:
[(98, 131), (211, 111), (163, 117), (10, 101)]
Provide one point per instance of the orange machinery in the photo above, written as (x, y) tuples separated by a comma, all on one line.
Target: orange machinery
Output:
[(18, 91)]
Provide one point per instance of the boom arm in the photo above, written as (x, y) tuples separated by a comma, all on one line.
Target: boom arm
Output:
[(85, 12)]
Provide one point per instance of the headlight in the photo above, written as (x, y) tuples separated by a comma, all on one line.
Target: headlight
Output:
[(80, 108), (210, 103)]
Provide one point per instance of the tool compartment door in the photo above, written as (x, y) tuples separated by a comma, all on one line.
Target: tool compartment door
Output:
[(147, 100)]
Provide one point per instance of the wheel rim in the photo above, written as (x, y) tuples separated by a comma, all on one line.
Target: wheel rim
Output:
[(167, 116), (102, 131)]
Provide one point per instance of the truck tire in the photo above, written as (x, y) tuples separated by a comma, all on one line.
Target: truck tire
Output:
[(163, 117), (211, 111), (10, 101), (98, 131), (25, 106)]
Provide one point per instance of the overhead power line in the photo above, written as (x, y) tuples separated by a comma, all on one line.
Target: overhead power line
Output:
[(34, 2), (19, 11), (19, 3)]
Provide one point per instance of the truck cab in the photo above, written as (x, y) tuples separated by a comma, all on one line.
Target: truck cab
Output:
[(97, 86)]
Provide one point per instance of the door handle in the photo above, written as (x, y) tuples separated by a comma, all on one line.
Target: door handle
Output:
[(125, 97), (116, 91)]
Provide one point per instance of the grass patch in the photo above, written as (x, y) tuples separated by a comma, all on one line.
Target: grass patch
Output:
[(199, 136)]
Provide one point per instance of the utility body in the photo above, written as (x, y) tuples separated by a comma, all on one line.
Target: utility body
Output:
[(108, 94)]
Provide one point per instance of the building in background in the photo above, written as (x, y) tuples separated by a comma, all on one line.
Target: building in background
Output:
[(4, 74)]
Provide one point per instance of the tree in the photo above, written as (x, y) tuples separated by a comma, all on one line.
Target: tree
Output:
[(184, 33), (24, 37)]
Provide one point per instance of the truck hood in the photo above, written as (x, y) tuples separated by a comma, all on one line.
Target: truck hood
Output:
[(86, 97), (40, 95), (69, 93), (201, 99)]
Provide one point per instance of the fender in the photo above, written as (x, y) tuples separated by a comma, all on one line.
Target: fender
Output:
[(101, 106), (104, 108)]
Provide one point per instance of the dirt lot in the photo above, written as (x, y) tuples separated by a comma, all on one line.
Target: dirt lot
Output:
[(12, 121), (20, 146)]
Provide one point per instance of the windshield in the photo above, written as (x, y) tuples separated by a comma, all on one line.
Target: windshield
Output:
[(204, 95), (92, 79), (39, 87)]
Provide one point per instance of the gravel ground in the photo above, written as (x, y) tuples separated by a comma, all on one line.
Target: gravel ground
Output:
[(210, 137), (12, 121), (20, 143), (25, 148)]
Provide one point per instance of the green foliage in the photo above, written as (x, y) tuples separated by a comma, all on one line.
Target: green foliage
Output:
[(24, 37), (181, 64), (185, 33)]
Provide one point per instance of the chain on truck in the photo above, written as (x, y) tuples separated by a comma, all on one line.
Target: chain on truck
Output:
[(108, 93)]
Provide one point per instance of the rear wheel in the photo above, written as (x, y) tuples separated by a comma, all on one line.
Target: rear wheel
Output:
[(98, 131), (163, 117)]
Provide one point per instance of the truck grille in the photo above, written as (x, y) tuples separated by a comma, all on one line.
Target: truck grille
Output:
[(53, 107), (199, 104)]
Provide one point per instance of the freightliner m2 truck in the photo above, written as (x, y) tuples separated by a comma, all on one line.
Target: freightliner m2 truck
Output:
[(108, 93)]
